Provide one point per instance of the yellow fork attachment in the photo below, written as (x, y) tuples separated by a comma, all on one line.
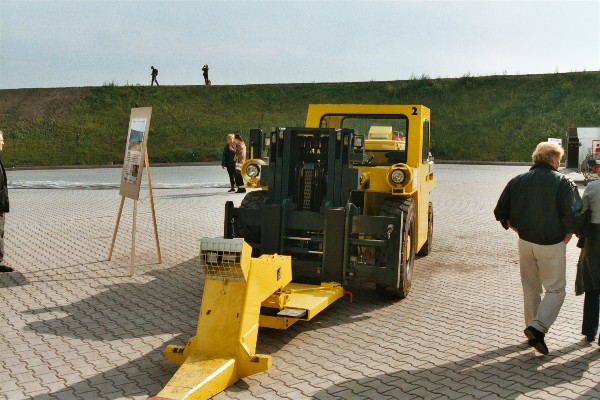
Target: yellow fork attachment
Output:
[(298, 301), (235, 288), (222, 352)]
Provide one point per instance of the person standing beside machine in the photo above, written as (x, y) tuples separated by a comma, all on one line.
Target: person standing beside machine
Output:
[(543, 206)]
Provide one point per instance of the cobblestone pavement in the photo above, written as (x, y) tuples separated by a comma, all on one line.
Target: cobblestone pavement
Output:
[(76, 326)]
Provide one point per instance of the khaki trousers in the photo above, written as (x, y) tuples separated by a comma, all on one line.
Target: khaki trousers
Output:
[(542, 267)]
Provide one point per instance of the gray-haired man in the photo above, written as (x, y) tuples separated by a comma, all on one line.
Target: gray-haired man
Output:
[(543, 206)]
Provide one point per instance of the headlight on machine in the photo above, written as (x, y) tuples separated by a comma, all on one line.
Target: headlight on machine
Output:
[(251, 172), (397, 176)]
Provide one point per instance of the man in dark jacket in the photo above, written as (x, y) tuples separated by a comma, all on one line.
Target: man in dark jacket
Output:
[(4, 206), (542, 206)]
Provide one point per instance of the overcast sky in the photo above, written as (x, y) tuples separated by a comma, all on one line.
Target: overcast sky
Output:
[(95, 42)]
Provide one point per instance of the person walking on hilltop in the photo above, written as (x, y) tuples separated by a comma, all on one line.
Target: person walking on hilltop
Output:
[(154, 74), (240, 159), (228, 160), (543, 206), (205, 74), (4, 207)]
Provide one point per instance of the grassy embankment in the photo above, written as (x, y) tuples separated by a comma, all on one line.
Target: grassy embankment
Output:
[(495, 118)]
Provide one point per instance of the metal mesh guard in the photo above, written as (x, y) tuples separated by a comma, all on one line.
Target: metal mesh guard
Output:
[(221, 258)]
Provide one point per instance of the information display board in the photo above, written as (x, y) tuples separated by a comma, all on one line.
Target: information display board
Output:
[(135, 152)]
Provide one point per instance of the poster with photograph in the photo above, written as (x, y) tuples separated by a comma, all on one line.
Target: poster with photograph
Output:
[(135, 152)]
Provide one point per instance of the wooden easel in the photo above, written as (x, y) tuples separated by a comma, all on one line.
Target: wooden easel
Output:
[(133, 229)]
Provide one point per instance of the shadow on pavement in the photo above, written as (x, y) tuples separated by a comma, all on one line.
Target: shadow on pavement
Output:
[(131, 309), (478, 376), (12, 279), (189, 196), (168, 304)]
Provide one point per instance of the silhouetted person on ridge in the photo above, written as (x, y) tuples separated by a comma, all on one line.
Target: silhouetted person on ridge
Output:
[(154, 75), (205, 74)]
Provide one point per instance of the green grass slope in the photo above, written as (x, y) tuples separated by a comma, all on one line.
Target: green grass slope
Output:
[(495, 118)]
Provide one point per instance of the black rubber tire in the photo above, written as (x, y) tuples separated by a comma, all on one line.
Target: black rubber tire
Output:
[(396, 207), (254, 199), (426, 249)]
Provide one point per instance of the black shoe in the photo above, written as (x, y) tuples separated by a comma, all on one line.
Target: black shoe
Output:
[(537, 339), (589, 338), (6, 268), (231, 190), (531, 342), (241, 190)]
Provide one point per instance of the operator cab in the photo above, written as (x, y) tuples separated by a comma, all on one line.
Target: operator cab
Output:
[(384, 146), (385, 142)]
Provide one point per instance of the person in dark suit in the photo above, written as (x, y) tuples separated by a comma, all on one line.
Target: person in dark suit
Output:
[(4, 206)]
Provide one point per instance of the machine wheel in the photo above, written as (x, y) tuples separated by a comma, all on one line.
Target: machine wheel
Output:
[(426, 249), (254, 199), (395, 207)]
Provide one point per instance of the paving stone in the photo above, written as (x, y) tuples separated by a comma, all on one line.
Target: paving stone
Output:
[(63, 394), (401, 394), (325, 396), (78, 326), (13, 394), (375, 395)]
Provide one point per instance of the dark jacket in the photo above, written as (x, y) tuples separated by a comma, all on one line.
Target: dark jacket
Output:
[(228, 156), (587, 278), (4, 205), (543, 205)]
